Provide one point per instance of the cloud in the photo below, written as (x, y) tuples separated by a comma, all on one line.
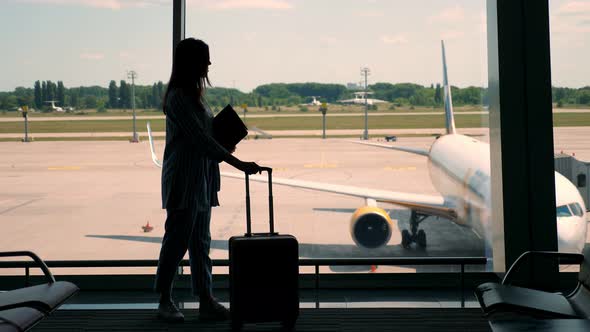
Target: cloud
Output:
[(394, 39), (92, 56), (329, 40), (572, 18), (209, 4), (104, 4), (572, 29), (371, 14), (449, 15), (249, 36), (243, 4), (575, 8), (125, 55), (451, 34)]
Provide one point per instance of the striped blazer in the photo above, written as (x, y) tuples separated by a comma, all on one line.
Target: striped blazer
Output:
[(190, 170)]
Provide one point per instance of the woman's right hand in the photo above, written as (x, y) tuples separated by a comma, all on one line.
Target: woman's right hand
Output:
[(249, 167)]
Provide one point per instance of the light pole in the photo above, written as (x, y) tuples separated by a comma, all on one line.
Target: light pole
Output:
[(245, 108), (324, 109), (366, 71), (133, 75), (25, 115)]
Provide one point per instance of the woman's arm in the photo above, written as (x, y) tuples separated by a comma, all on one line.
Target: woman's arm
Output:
[(246, 167)]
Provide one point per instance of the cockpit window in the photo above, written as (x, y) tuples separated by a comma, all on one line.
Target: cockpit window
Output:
[(563, 211), (576, 209)]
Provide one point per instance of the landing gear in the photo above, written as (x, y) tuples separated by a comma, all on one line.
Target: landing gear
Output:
[(421, 238), (406, 239), (418, 236)]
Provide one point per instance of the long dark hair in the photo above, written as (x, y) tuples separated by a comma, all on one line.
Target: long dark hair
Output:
[(189, 69)]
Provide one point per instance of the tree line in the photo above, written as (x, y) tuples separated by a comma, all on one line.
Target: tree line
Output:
[(119, 96)]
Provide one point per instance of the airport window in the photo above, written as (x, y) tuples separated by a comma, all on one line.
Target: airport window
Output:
[(571, 114), (79, 190), (581, 180), (282, 64)]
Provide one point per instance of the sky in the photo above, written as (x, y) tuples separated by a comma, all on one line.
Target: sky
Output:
[(254, 42)]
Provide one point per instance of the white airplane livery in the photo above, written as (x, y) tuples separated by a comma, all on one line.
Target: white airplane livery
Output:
[(359, 98), (313, 102), (53, 107), (459, 169), (57, 108)]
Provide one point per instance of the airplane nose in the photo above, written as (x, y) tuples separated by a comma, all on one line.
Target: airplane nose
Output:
[(571, 234)]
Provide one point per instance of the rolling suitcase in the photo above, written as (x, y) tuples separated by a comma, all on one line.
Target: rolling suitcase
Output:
[(263, 273)]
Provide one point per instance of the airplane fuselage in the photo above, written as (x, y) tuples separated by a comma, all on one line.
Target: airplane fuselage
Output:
[(459, 168)]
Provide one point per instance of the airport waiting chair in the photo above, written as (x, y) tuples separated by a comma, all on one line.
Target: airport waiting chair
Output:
[(506, 298), (21, 309)]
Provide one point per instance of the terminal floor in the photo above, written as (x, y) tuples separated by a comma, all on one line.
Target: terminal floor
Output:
[(327, 298), (359, 319), (339, 310)]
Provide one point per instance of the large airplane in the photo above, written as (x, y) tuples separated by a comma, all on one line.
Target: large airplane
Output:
[(359, 98), (459, 169)]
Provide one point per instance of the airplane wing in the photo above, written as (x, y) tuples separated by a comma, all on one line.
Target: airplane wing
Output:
[(154, 157), (425, 204), (422, 152)]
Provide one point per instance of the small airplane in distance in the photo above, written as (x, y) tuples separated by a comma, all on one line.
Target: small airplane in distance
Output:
[(57, 108), (359, 98), (314, 102), (459, 169), (53, 107)]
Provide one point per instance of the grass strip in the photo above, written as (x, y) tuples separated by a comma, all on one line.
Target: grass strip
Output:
[(286, 123)]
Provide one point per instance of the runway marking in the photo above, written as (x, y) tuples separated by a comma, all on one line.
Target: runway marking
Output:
[(322, 164), (64, 168), (19, 205), (403, 168)]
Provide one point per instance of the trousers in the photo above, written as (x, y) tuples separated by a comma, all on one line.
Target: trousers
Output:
[(186, 229)]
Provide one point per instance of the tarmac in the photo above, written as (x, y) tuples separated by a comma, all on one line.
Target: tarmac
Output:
[(89, 200), (318, 133)]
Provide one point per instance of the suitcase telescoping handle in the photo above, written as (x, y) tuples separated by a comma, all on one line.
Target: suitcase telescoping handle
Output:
[(270, 203)]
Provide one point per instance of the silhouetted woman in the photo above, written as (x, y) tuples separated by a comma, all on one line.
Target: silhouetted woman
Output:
[(190, 181)]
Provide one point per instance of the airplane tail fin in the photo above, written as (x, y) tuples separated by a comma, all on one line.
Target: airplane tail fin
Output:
[(448, 101), (153, 150)]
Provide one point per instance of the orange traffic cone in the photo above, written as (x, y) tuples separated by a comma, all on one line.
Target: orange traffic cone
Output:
[(147, 228)]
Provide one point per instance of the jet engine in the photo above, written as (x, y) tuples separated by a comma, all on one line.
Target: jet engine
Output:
[(370, 227)]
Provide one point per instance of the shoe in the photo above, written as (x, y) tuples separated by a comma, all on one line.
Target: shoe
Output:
[(213, 311), (168, 312)]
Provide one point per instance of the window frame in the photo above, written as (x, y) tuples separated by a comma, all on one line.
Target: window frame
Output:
[(521, 141)]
